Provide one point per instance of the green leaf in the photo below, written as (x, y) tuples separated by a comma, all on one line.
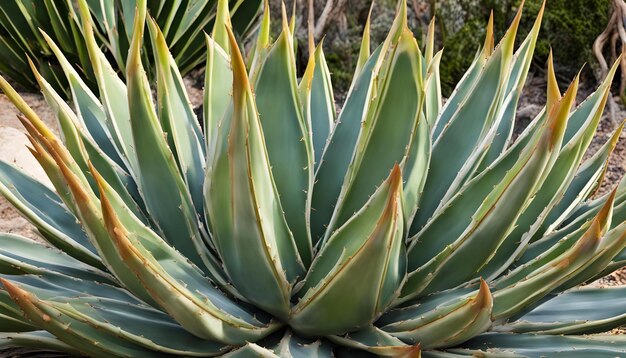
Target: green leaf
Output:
[(330, 177), (258, 53), (470, 244), (19, 255), (178, 286), (88, 108), (36, 339), (292, 345), (556, 182), (364, 50), (415, 167), (13, 325), (522, 60), (178, 119), (287, 138), (161, 181), (319, 104), (140, 325), (536, 346), (83, 149), (389, 128), (44, 209), (466, 83), (113, 94), (522, 288), (446, 325), (222, 22), (244, 209), (113, 312), (218, 75), (91, 219), (453, 155), (338, 153), (80, 335), (369, 245), (376, 341), (584, 310), (251, 350), (432, 90), (587, 179)]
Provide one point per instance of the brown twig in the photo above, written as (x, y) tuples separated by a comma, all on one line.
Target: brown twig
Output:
[(615, 34)]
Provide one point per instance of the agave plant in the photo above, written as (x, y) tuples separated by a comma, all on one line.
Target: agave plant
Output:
[(182, 23), (400, 227)]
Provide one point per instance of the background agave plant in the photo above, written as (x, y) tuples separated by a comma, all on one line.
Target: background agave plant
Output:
[(182, 23), (401, 227)]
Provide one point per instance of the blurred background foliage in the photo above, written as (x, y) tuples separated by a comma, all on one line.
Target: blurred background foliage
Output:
[(569, 28)]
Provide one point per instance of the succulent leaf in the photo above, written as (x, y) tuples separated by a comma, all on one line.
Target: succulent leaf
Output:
[(574, 312), (388, 129), (369, 244), (462, 135), (373, 340), (287, 141), (44, 209), (178, 119), (318, 102), (161, 270), (37, 340), (244, 210), (448, 324)]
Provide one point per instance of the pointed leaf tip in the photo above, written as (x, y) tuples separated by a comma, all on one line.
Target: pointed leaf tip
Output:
[(541, 10), (560, 113), (222, 20), (554, 94), (483, 298), (240, 75), (616, 136), (489, 37), (604, 215), (395, 178), (17, 294), (285, 18), (508, 41), (430, 43)]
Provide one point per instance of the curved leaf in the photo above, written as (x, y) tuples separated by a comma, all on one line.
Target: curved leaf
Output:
[(370, 245), (287, 138), (584, 310), (249, 229), (536, 346), (388, 132), (178, 119), (19, 255), (493, 219), (447, 325), (44, 209), (175, 284), (36, 339), (319, 104), (453, 150), (373, 340), (161, 181)]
